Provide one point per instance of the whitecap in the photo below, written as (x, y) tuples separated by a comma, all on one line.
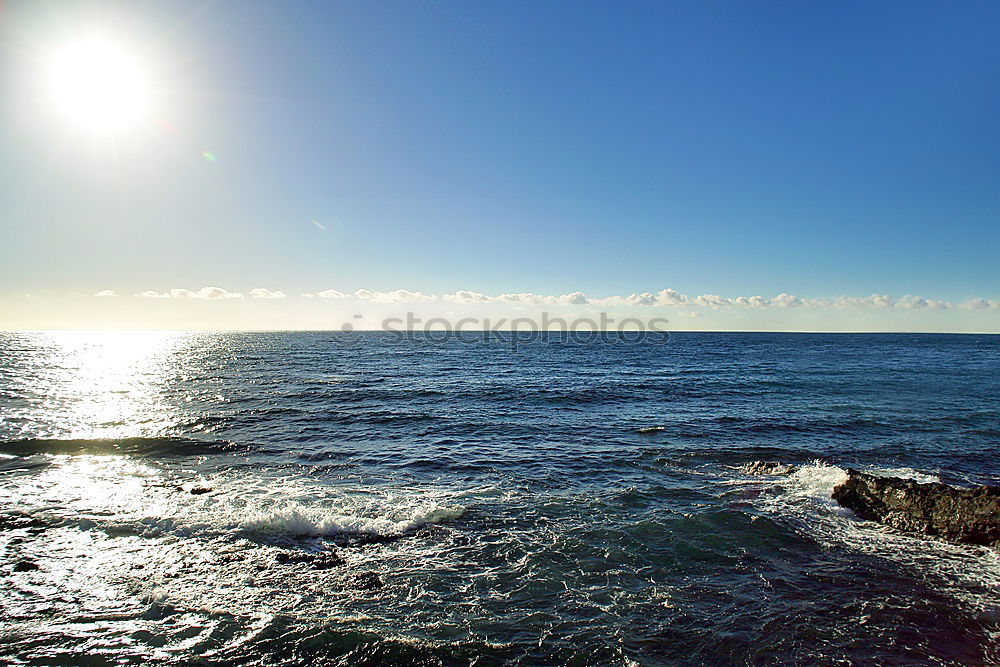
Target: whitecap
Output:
[(298, 520)]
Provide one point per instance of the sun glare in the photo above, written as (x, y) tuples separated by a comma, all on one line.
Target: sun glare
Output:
[(98, 85)]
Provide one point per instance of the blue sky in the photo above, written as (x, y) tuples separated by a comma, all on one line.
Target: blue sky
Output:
[(739, 149)]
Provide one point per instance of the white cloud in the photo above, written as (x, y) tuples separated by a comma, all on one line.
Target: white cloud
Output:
[(105, 293), (574, 299), (521, 297), (881, 301), (395, 296), (912, 302), (749, 302), (786, 300), (664, 298), (213, 293), (264, 293), (669, 297), (978, 303), (873, 301), (209, 293), (465, 296), (711, 301), (644, 299)]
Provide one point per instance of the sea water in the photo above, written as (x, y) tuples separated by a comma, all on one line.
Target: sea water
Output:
[(330, 498)]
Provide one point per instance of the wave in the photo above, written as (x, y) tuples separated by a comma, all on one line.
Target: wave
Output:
[(261, 523), (300, 521), (138, 447)]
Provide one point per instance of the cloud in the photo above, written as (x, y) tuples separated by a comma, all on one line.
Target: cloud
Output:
[(669, 297), (644, 299), (786, 300), (571, 299), (711, 301), (673, 298), (912, 302), (749, 302), (574, 299), (521, 297), (105, 293), (978, 303), (208, 293), (877, 301), (264, 293), (395, 296), (213, 293), (465, 296)]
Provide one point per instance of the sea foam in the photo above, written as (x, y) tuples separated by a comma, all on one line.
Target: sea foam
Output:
[(293, 519)]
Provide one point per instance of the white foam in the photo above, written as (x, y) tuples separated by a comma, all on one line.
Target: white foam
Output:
[(294, 519), (904, 473), (816, 480)]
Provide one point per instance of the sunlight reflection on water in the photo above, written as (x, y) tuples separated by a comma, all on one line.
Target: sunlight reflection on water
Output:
[(103, 384)]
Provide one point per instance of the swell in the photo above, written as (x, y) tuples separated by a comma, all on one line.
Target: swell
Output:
[(137, 447)]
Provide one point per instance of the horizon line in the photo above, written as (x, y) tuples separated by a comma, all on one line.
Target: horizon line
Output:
[(473, 331)]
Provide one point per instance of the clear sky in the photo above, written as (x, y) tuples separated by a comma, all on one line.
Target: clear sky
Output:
[(845, 155)]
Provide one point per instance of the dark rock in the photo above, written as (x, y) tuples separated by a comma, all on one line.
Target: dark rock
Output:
[(367, 581), (20, 521), (970, 516), (25, 566), (327, 562), (321, 561), (365, 539), (193, 489)]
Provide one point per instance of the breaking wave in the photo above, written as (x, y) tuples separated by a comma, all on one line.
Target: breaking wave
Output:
[(297, 520)]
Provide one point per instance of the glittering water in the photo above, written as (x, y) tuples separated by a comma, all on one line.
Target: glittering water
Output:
[(274, 498)]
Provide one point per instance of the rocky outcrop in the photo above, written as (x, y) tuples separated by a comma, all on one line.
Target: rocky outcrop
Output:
[(971, 516)]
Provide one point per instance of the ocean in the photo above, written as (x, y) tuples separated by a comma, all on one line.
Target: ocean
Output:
[(367, 499)]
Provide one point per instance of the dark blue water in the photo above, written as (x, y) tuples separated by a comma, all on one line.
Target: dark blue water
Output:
[(360, 499)]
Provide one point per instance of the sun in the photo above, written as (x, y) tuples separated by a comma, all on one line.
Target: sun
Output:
[(98, 85)]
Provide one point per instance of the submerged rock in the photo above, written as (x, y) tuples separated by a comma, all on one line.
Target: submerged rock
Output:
[(367, 581), (320, 561), (971, 516), (20, 520), (194, 489), (25, 565)]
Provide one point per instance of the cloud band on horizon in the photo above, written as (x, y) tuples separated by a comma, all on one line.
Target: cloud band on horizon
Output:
[(663, 298)]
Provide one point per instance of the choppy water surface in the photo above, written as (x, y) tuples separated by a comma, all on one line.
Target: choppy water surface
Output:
[(273, 498)]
